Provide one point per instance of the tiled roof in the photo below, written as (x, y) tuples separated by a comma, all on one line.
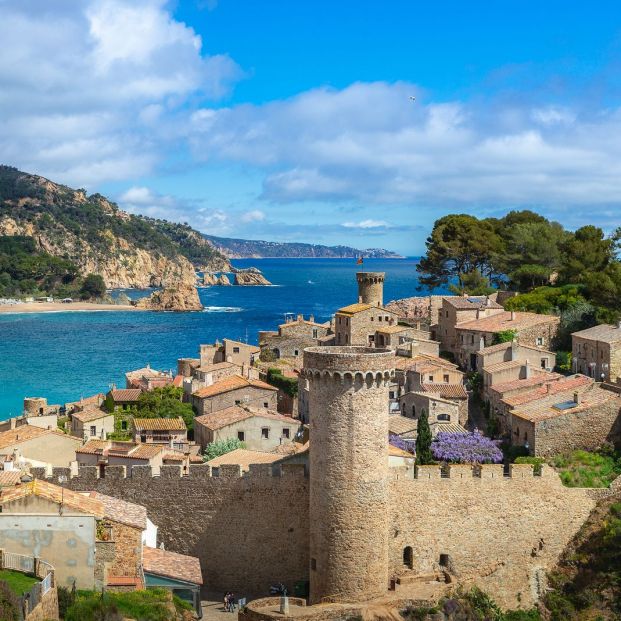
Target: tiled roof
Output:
[(130, 450), (178, 381), (446, 391), (56, 494), (9, 478), (89, 414), (504, 366), (399, 424), (145, 372), (142, 451), (29, 432), (171, 565), (121, 511), (491, 349), (126, 394), (392, 329), (254, 348), (352, 309), (544, 408), (237, 413), (552, 388), (159, 424), (244, 458), (235, 382), (471, 303), (93, 399), (93, 447), (444, 427), (502, 321), (403, 362), (217, 367), (124, 581), (176, 457), (535, 380), (605, 333), (394, 451)]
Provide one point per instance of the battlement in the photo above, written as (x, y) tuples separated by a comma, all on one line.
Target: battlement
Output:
[(349, 378), (225, 472), (320, 361), (370, 277), (475, 471)]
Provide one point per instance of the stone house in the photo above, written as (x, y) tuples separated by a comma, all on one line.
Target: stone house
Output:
[(399, 336), (104, 453), (39, 447), (439, 410), (148, 378), (126, 398), (419, 342), (460, 309), (169, 431), (234, 390), (357, 324), (510, 371), (530, 329), (456, 393), (229, 351), (293, 337), (92, 401), (596, 352), (203, 376), (258, 428), (504, 352), (92, 422), (561, 421)]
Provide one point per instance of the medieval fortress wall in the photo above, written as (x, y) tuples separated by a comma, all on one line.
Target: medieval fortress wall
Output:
[(351, 523)]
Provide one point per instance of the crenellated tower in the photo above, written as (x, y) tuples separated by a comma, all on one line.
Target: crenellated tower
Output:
[(349, 495), (371, 287)]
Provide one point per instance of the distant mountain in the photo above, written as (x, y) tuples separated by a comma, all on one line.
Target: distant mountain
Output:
[(93, 236), (258, 249)]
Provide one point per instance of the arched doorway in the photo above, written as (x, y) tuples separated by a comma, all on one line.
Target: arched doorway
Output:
[(408, 557)]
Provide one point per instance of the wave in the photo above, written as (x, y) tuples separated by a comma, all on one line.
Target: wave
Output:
[(222, 309)]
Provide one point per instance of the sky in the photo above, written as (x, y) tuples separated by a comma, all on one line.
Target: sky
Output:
[(293, 120)]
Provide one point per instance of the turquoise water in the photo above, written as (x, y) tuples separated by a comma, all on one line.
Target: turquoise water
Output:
[(64, 355)]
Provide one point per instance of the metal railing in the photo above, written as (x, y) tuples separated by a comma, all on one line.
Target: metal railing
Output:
[(36, 567)]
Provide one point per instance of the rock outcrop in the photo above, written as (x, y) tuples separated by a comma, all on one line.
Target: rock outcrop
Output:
[(181, 297), (251, 277), (209, 279), (223, 280)]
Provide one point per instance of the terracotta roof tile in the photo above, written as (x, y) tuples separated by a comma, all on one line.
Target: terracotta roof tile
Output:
[(29, 432), (604, 333), (126, 394), (399, 424), (352, 309), (446, 391), (567, 383), (89, 414), (145, 372), (235, 382), (244, 458), (9, 478), (471, 303), (502, 321), (171, 565), (535, 380), (237, 413), (93, 399), (122, 511), (159, 424)]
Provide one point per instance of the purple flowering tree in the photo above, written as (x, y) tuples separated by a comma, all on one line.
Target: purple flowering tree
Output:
[(464, 448), (399, 442)]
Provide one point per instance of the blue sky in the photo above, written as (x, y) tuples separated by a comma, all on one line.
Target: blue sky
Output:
[(292, 120)]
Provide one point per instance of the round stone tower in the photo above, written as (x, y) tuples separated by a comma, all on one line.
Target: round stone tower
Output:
[(371, 287), (35, 406), (348, 406)]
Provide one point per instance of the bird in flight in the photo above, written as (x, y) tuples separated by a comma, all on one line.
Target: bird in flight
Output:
[(412, 98)]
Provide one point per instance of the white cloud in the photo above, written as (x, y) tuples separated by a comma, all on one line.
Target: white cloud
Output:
[(367, 224), (370, 144), (255, 215), (94, 90)]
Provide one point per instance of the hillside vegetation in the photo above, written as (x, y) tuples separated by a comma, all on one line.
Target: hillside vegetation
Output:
[(258, 249), (97, 237)]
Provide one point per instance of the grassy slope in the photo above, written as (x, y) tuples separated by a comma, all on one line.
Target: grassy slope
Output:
[(18, 582)]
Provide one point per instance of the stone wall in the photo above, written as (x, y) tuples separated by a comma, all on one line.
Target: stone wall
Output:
[(497, 532), (501, 533), (249, 395), (46, 609)]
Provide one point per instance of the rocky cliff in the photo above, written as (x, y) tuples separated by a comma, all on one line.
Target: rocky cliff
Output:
[(251, 278), (180, 297), (98, 237)]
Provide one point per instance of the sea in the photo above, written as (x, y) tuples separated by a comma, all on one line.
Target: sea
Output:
[(65, 355)]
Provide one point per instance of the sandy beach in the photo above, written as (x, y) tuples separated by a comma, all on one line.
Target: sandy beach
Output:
[(59, 307)]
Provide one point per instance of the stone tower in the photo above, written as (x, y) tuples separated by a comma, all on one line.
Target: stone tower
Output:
[(371, 287), (348, 404)]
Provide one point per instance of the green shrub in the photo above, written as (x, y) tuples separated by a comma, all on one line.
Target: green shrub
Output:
[(9, 603), (221, 447), (288, 385), (504, 336), (587, 469)]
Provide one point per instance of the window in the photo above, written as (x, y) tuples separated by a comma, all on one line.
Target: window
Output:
[(372, 318), (93, 430), (286, 433), (445, 417), (472, 338), (387, 318), (403, 408), (445, 560), (544, 363), (235, 350), (408, 557), (431, 378), (296, 352), (446, 379), (315, 333), (265, 433), (314, 564), (241, 436), (379, 318), (266, 404), (124, 425), (413, 411), (540, 340), (237, 401)]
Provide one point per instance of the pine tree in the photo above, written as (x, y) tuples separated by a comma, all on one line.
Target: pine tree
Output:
[(423, 441)]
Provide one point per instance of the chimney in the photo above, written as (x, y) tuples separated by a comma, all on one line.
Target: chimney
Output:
[(527, 370), (482, 343), (548, 387), (478, 313), (488, 302), (311, 318), (512, 315), (300, 318), (577, 397), (514, 351), (359, 299)]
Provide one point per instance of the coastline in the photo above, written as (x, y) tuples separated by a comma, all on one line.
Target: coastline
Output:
[(59, 307)]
